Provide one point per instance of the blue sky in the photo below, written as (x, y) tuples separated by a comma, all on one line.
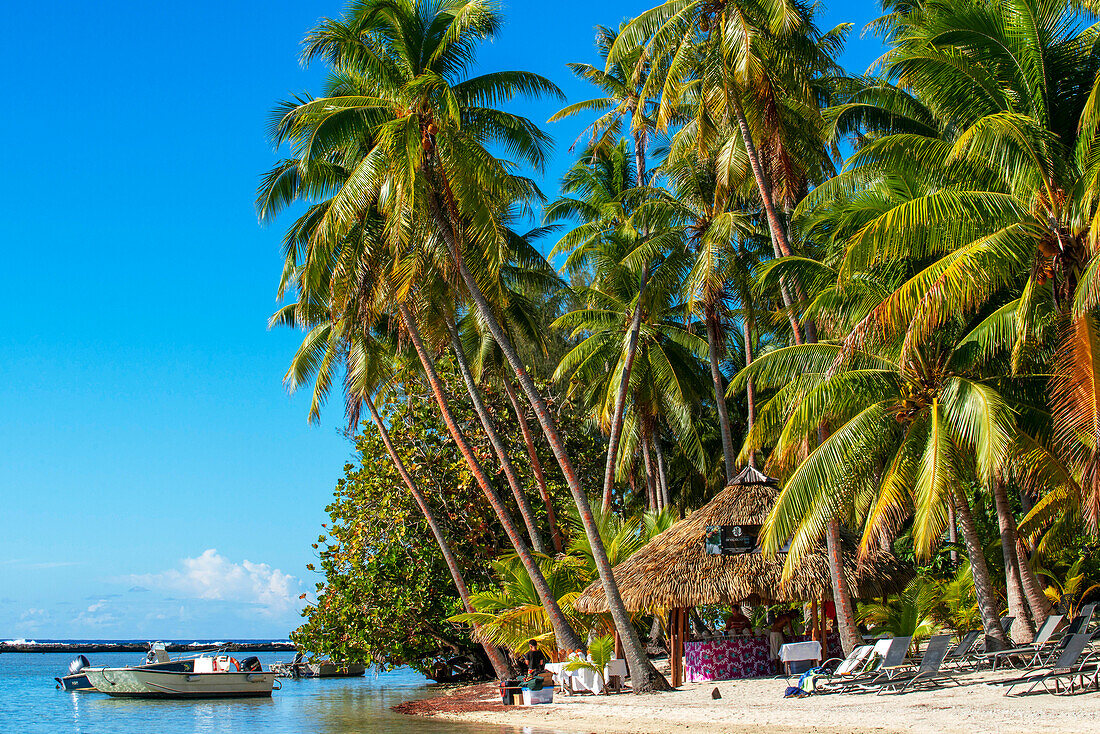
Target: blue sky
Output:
[(155, 478)]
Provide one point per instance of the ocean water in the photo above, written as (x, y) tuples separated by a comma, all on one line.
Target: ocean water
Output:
[(30, 703)]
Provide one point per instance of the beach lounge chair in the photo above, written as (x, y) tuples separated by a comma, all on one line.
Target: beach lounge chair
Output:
[(858, 665), (962, 654), (1077, 625), (927, 673), (840, 669), (894, 664), (1033, 652), (1073, 665)]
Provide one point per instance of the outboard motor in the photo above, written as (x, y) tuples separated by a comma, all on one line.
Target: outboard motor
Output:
[(78, 664), (251, 665)]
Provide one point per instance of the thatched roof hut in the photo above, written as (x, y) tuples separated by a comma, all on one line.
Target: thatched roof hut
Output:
[(674, 570)]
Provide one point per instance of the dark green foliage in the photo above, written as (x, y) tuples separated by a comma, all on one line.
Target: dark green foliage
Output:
[(386, 593)]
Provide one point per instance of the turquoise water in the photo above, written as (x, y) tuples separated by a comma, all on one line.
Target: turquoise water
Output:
[(30, 703)]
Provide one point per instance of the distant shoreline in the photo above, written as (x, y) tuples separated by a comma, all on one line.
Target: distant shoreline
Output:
[(82, 647)]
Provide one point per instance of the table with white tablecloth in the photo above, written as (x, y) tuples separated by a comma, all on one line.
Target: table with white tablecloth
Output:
[(586, 679), (726, 658)]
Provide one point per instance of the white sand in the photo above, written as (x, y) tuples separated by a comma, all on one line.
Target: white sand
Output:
[(759, 706)]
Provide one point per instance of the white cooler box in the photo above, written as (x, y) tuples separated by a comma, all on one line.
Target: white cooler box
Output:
[(546, 695)]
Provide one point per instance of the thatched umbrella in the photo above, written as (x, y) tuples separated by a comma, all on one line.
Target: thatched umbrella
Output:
[(674, 571)]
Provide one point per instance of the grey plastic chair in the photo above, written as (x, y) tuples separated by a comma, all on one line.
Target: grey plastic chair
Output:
[(1077, 625), (928, 672), (962, 653), (1070, 665), (1043, 639), (894, 664)]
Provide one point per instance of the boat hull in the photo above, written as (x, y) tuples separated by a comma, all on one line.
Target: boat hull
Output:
[(75, 682), (145, 683), (334, 670)]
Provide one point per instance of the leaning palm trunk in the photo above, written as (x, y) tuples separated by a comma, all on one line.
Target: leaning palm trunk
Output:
[(620, 396), (979, 570), (495, 440), (728, 454), (500, 666), (566, 637), (842, 600), (1023, 630), (536, 464), (644, 677)]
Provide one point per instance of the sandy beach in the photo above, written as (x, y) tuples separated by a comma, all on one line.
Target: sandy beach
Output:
[(758, 706)]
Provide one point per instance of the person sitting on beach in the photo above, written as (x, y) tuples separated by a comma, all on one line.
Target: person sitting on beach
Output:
[(534, 661), (737, 622)]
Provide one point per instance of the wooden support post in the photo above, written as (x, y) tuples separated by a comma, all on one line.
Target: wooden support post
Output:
[(824, 631), (674, 646), (680, 643), (618, 644)]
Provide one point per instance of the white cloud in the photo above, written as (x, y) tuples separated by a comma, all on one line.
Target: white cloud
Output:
[(213, 576), (96, 615)]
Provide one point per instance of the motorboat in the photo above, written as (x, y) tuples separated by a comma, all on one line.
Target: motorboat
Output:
[(299, 668), (77, 679), (203, 676)]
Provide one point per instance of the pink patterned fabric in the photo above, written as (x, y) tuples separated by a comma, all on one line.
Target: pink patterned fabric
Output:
[(727, 658)]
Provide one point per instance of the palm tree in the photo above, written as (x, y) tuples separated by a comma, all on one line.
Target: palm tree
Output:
[(423, 126), (665, 379), (909, 424), (705, 199), (714, 55), (364, 360), (1003, 97), (510, 614), (595, 192), (623, 83)]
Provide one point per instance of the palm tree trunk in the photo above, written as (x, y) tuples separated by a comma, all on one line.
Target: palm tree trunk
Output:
[(651, 485), (750, 387), (979, 570), (536, 464), (711, 319), (644, 677), (1037, 601), (780, 244), (1023, 630), (842, 600), (566, 637), (952, 533), (500, 665), (499, 448), (620, 397), (662, 474)]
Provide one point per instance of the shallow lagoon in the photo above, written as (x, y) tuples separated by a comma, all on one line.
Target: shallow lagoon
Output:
[(30, 704)]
